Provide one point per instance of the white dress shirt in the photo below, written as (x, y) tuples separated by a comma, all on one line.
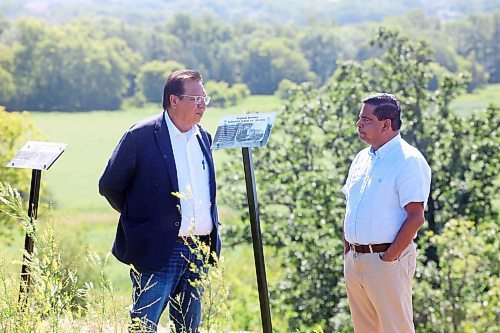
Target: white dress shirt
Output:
[(378, 187), (193, 178)]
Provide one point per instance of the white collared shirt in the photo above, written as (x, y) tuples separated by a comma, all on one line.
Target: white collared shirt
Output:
[(378, 187), (193, 177)]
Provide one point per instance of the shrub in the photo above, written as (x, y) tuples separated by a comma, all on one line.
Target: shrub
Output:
[(224, 95)]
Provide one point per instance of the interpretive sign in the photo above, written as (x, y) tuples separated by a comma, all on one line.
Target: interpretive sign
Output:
[(248, 130), (37, 155)]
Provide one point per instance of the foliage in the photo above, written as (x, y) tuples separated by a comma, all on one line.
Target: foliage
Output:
[(15, 130), (54, 300), (223, 95), (461, 292), (7, 87), (69, 67), (152, 77), (477, 38), (300, 173), (96, 64), (272, 60), (462, 153), (285, 88), (321, 47), (62, 299)]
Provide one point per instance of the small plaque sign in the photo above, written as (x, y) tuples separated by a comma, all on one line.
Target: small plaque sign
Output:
[(248, 130), (37, 155)]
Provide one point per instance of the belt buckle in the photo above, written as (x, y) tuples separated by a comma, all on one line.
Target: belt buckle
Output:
[(371, 249)]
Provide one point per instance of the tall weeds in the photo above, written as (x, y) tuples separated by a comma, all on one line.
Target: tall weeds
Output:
[(57, 299)]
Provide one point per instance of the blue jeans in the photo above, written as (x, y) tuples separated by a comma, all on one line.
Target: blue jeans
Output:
[(154, 290)]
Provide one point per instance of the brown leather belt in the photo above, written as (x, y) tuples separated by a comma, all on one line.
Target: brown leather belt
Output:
[(191, 240), (372, 248)]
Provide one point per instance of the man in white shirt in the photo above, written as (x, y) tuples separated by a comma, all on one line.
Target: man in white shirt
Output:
[(161, 180), (386, 190)]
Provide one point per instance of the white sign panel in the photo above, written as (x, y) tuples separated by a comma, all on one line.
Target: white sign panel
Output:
[(37, 155), (248, 130)]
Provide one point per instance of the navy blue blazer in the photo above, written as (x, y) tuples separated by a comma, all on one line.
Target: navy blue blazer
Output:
[(138, 182)]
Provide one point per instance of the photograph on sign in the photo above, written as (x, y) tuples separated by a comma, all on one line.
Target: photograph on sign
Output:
[(37, 155), (248, 130)]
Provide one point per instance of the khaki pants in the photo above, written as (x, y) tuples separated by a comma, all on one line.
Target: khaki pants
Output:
[(380, 292)]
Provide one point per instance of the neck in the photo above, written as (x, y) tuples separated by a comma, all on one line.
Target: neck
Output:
[(183, 128), (389, 137)]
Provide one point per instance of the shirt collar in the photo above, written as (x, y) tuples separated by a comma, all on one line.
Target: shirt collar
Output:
[(174, 131), (386, 148)]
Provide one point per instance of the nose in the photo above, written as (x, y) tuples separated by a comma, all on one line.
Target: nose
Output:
[(358, 123)]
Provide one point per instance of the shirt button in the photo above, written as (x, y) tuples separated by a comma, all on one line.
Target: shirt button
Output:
[(177, 224)]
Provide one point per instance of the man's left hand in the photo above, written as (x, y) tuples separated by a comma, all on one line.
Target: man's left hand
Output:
[(387, 257)]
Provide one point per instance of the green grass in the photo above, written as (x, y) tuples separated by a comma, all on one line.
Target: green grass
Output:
[(470, 104)]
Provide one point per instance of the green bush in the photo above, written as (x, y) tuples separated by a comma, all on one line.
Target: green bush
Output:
[(152, 77), (285, 89), (460, 292), (224, 95)]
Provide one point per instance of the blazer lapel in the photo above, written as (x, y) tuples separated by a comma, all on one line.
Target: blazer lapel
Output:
[(163, 140)]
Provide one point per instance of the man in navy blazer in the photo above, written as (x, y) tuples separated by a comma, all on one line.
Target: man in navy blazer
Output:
[(156, 160)]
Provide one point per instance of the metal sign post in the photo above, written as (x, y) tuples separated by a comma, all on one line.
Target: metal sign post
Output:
[(246, 131), (38, 156), (258, 251), (36, 176)]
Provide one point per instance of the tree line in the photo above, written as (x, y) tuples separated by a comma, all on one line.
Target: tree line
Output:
[(99, 64)]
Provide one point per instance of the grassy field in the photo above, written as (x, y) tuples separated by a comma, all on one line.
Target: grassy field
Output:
[(470, 104)]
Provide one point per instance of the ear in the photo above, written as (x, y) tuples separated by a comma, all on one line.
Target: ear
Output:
[(387, 124), (173, 101)]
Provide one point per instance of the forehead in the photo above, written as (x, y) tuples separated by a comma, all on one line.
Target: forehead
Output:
[(192, 87), (367, 111)]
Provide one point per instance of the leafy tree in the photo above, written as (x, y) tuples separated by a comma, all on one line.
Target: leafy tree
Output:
[(462, 181), (69, 68), (7, 85), (321, 48), (152, 77), (477, 37), (300, 173), (272, 60), (208, 45)]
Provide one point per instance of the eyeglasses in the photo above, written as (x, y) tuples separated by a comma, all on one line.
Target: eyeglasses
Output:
[(198, 99)]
